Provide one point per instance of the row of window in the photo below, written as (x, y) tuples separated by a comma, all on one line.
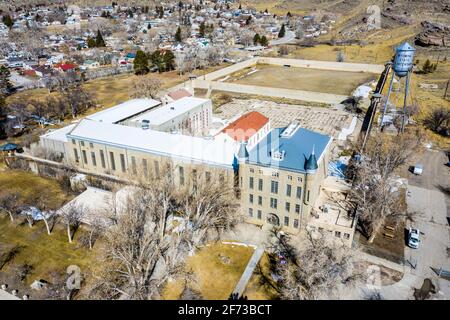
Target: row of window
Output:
[(274, 187), (273, 203), (275, 174), (286, 220)]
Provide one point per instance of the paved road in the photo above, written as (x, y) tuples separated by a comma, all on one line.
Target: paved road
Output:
[(289, 36)]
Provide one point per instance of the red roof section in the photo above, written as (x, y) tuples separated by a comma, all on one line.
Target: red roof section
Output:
[(180, 93), (246, 126), (66, 66)]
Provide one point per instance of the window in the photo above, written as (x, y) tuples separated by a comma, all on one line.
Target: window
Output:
[(250, 212), (75, 153), (289, 178), (250, 198), (122, 162), (259, 214), (102, 159), (111, 158), (260, 184), (73, 141), (181, 172), (145, 167), (250, 183), (91, 145), (252, 170), (337, 234), (296, 223), (275, 174), (84, 156), (288, 190), (274, 187), (208, 177), (94, 161), (288, 206), (273, 203), (297, 208), (259, 200), (156, 165), (82, 143), (133, 165), (299, 179), (286, 221), (299, 192), (346, 236)]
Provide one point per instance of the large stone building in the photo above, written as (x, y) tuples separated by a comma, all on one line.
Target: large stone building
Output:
[(278, 172)]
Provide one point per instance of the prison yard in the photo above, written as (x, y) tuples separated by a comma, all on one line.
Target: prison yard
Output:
[(326, 81), (326, 120)]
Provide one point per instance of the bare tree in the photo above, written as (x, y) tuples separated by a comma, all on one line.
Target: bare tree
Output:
[(140, 253), (8, 204), (438, 120), (315, 270), (375, 192), (147, 87), (72, 214)]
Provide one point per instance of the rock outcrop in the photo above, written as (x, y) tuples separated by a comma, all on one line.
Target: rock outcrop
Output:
[(433, 34)]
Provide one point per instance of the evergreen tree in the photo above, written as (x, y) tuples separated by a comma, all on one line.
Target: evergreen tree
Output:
[(256, 39), (141, 63), (8, 21), (178, 35), (91, 43), (264, 42), (282, 32), (99, 42), (202, 30)]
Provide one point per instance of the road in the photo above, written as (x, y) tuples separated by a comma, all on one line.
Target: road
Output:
[(288, 37)]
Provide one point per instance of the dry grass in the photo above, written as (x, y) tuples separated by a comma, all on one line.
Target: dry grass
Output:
[(47, 254), (32, 188), (217, 269), (337, 82), (260, 286)]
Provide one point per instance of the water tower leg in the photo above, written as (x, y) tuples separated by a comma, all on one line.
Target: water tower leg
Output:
[(408, 78), (387, 99)]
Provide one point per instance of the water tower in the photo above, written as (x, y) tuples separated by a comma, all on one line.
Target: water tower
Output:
[(402, 68)]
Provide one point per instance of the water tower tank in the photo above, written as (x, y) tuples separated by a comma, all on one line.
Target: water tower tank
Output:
[(404, 57)]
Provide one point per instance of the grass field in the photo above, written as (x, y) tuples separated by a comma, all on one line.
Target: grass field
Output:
[(33, 188), (217, 269), (335, 82), (45, 253)]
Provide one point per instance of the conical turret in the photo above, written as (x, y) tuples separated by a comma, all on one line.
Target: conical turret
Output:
[(311, 163)]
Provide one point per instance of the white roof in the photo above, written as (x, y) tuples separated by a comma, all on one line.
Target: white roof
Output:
[(170, 111), (124, 110), (215, 151), (59, 134)]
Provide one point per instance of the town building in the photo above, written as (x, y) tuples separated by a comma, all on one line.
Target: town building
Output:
[(277, 173)]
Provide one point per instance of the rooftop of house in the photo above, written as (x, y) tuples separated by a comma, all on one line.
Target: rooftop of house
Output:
[(170, 111), (289, 148), (246, 126), (124, 110), (202, 150), (59, 134)]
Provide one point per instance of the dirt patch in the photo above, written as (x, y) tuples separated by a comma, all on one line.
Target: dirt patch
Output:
[(387, 276), (389, 248)]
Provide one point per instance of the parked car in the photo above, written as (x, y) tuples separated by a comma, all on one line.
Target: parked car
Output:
[(418, 169), (413, 238)]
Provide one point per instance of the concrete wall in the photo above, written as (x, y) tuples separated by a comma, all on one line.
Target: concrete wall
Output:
[(318, 97), (324, 65)]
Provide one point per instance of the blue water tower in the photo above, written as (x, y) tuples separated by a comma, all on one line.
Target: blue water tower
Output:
[(404, 57)]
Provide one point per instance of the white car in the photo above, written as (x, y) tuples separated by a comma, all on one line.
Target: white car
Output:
[(413, 238)]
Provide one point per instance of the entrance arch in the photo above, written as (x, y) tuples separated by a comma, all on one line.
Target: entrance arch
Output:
[(273, 219)]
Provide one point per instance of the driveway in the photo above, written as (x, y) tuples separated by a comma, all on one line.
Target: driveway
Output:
[(289, 36)]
